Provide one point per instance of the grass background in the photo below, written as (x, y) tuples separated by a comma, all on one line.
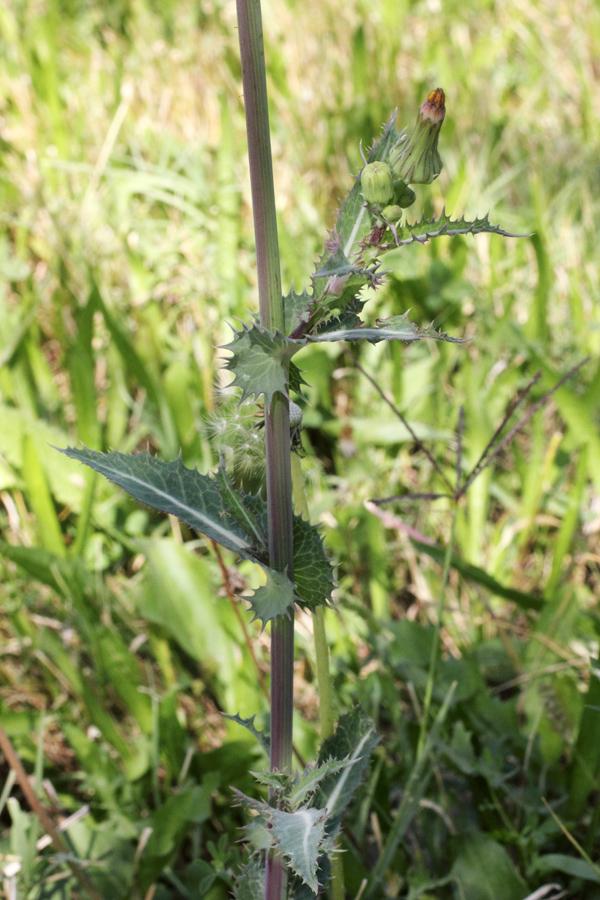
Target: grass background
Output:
[(126, 248)]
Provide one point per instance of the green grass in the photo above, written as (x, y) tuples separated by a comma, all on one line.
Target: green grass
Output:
[(125, 246)]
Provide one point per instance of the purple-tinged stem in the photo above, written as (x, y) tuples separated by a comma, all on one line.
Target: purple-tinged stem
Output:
[(277, 426)]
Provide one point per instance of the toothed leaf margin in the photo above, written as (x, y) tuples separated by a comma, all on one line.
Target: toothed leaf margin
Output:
[(444, 226), (260, 362), (248, 724), (275, 598)]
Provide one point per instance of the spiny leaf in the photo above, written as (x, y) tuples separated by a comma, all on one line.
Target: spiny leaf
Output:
[(296, 379), (172, 488), (260, 361), (234, 502), (354, 222), (313, 572), (300, 891), (349, 318), (353, 740), (393, 329), (336, 262), (248, 724), (250, 884), (300, 836), (338, 282), (212, 506), (308, 781), (279, 781), (275, 598), (421, 232), (258, 834), (296, 309)]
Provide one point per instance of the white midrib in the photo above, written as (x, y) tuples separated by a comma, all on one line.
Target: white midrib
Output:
[(179, 505)]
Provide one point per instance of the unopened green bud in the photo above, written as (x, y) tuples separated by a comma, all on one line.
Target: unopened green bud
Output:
[(403, 195), (377, 183), (415, 159), (392, 213)]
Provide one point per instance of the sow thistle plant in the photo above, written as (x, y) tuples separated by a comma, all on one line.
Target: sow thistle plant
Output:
[(292, 835)]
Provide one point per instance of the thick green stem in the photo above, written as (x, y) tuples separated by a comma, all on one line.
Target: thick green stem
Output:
[(277, 425)]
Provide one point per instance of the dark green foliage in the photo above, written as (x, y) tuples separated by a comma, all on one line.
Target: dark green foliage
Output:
[(312, 802), (199, 500), (260, 362), (212, 506)]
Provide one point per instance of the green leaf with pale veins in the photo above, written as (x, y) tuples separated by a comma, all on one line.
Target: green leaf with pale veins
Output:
[(307, 782), (173, 488), (300, 891), (300, 838), (258, 834), (234, 503), (260, 361), (336, 262), (275, 598), (236, 520), (313, 572), (353, 741), (396, 328), (279, 781), (422, 231)]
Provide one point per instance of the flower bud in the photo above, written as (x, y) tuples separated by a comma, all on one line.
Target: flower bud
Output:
[(403, 195), (415, 159), (377, 183), (392, 213)]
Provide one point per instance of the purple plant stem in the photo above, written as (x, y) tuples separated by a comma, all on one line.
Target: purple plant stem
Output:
[(277, 427)]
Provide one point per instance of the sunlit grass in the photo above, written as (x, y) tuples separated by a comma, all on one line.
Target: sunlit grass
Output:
[(123, 171)]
